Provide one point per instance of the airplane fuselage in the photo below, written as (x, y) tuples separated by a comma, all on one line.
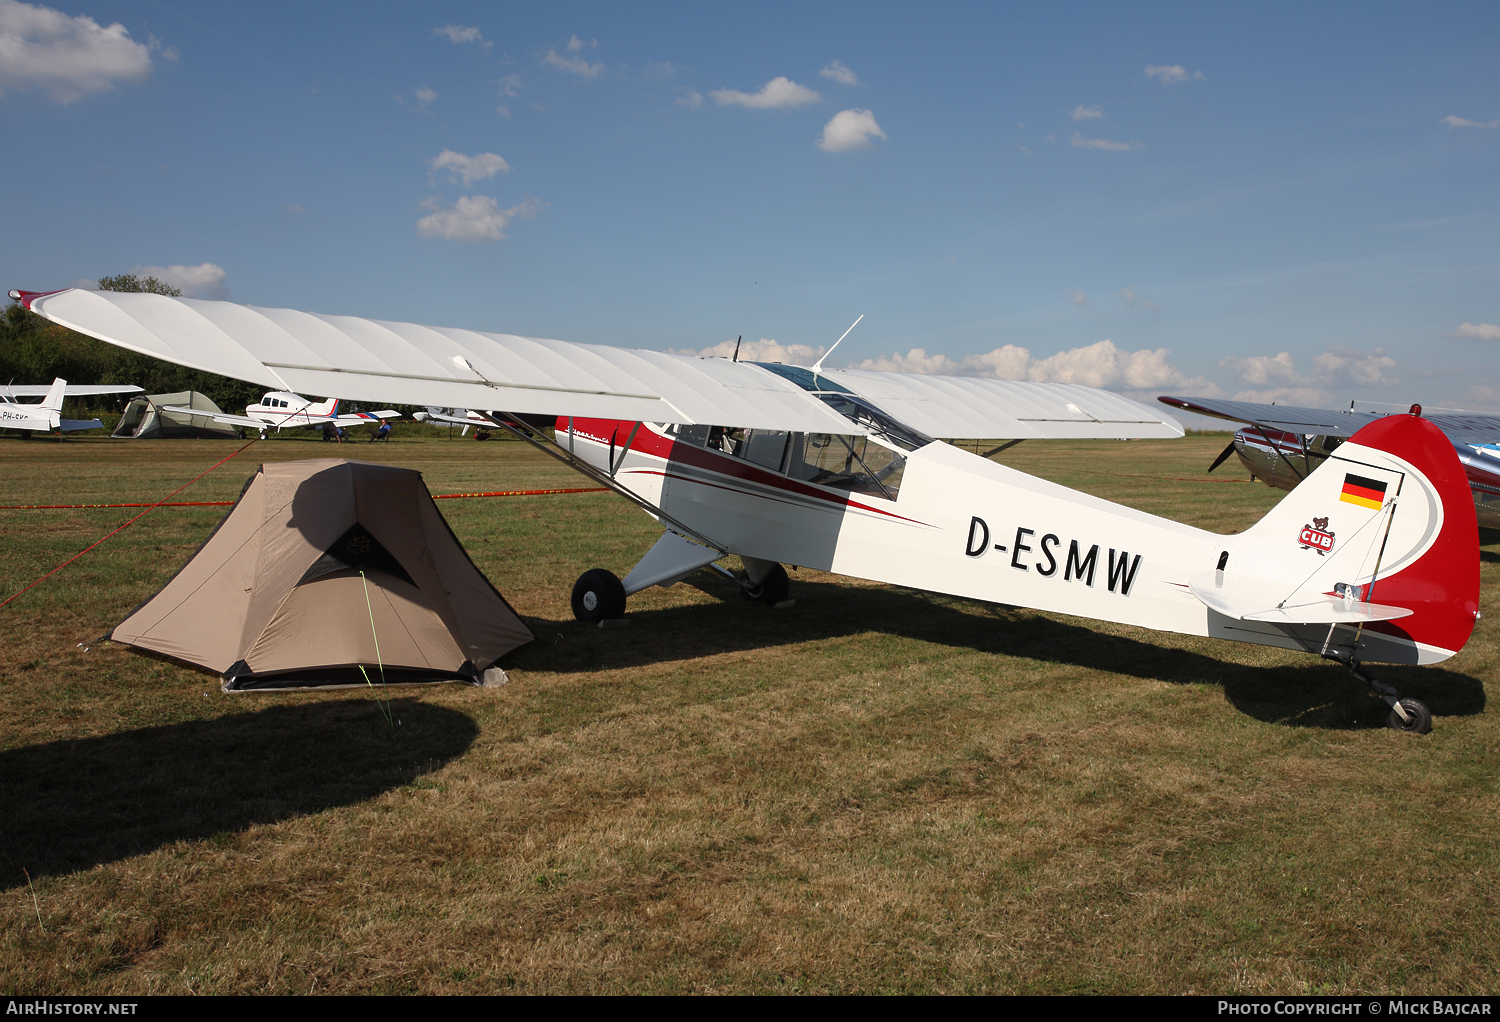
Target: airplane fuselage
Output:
[(948, 521), (1282, 460)]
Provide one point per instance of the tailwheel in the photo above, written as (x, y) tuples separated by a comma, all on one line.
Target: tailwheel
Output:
[(1418, 719), (598, 596), (772, 589)]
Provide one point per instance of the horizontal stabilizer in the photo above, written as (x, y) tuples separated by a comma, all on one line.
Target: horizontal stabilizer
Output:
[(669, 561), (1247, 598), (69, 425)]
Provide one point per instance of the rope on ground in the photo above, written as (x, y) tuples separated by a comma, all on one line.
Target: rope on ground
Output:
[(132, 521), (227, 503)]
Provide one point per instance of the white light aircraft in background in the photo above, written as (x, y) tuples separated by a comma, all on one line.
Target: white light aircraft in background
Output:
[(284, 410), (46, 416), (1374, 558)]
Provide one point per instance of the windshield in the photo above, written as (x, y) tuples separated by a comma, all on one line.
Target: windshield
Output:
[(851, 406)]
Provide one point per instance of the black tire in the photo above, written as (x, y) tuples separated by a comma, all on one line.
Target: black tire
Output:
[(598, 596), (772, 589), (1420, 722)]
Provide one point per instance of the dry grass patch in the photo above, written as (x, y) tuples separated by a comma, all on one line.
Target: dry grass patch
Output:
[(880, 790)]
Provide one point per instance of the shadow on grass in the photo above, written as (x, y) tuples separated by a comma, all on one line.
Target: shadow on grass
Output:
[(1311, 694), (74, 804), (1488, 538)]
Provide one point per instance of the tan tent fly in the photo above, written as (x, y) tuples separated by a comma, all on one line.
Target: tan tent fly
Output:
[(323, 567), (146, 418)]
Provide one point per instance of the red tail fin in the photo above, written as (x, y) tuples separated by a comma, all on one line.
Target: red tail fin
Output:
[(1441, 586)]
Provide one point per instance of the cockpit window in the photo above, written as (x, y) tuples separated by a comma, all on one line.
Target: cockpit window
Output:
[(804, 378), (849, 405)]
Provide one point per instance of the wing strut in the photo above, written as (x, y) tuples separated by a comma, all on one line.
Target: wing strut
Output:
[(518, 427)]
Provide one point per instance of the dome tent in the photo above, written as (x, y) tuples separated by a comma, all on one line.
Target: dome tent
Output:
[(146, 418), (322, 567)]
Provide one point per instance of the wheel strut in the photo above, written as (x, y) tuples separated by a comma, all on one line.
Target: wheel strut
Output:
[(1408, 715)]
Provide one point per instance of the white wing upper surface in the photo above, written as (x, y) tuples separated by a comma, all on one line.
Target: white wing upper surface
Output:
[(71, 390), (403, 363), (969, 408)]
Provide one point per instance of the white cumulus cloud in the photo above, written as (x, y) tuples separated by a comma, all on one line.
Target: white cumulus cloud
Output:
[(839, 73), (70, 57), (778, 92), (1481, 331), (1085, 113), (424, 97), (763, 350), (471, 218), (692, 99), (202, 281), (1077, 296), (576, 65), (1464, 122), (510, 85), (1079, 142), (1096, 365), (1129, 297), (1172, 74), (1277, 378), (458, 34), (468, 168), (848, 130)]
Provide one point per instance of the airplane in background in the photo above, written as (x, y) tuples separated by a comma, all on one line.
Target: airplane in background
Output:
[(1373, 559), (481, 422), (46, 416), (282, 409), (1282, 443)]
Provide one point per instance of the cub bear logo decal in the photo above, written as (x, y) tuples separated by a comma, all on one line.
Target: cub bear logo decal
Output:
[(1317, 536)]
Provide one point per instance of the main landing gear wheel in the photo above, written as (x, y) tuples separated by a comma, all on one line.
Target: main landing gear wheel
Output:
[(772, 589), (1418, 717), (598, 596)]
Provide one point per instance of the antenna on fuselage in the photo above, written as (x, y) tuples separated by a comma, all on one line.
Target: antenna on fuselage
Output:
[(736, 356), (819, 363)]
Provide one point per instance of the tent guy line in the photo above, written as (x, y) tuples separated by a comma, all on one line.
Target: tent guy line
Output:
[(128, 523)]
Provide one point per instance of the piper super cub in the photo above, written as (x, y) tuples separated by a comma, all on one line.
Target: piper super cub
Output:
[(1373, 558)]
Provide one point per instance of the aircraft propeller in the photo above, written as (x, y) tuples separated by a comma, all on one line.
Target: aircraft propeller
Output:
[(1223, 456)]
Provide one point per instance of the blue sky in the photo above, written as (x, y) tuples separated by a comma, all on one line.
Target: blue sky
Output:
[(1284, 202)]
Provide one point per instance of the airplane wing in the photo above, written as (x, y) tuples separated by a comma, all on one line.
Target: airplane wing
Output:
[(225, 417), (1286, 418), (370, 360), (969, 408), (444, 417), (370, 419), (1460, 427), (403, 363), (71, 390)]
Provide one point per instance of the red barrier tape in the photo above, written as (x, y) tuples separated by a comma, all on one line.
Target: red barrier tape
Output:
[(227, 503)]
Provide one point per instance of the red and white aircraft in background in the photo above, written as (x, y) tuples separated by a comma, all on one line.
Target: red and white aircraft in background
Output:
[(1373, 558), (284, 410), (1283, 443)]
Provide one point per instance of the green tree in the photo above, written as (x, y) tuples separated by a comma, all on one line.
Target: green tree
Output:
[(130, 282)]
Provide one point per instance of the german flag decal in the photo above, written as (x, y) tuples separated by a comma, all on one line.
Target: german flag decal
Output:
[(1368, 493)]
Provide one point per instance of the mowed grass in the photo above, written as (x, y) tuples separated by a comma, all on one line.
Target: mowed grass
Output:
[(878, 790)]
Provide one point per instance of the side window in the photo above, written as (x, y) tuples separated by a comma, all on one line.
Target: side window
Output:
[(846, 463), (764, 447), (695, 435)]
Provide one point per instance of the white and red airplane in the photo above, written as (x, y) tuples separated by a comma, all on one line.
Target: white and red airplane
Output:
[(46, 416), (284, 410), (1283, 443), (1374, 558)]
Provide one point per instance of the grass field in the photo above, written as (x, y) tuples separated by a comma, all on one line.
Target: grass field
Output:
[(878, 790)]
